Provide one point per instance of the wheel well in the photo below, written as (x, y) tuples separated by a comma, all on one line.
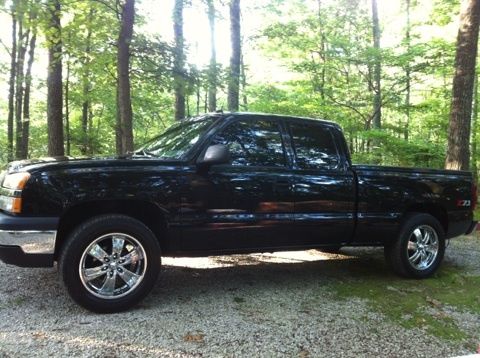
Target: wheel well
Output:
[(149, 214), (436, 211)]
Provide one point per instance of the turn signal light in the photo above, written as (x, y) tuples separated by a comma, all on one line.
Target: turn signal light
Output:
[(17, 205)]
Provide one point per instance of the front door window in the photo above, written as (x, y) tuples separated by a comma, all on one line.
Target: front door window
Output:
[(253, 143)]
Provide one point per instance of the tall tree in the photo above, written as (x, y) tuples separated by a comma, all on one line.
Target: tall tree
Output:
[(118, 122), (475, 128), (243, 80), (323, 52), (86, 108), (458, 150), (67, 33), (407, 72), (377, 96), (67, 107), (235, 58), (179, 60), (123, 67), (212, 71), (26, 100), (22, 43), (11, 89), (54, 80)]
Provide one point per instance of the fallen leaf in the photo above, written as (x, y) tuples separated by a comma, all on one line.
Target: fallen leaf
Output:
[(434, 302), (394, 289), (39, 335), (441, 315), (197, 338), (304, 354)]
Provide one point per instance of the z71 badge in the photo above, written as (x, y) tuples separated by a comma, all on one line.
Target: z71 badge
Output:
[(464, 203)]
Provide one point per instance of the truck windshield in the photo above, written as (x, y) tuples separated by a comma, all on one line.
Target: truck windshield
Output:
[(177, 140)]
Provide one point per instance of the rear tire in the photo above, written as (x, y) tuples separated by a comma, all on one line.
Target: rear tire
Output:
[(110, 263), (418, 250)]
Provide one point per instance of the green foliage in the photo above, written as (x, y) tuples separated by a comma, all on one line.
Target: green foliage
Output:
[(444, 11), (327, 52), (331, 50), (391, 150)]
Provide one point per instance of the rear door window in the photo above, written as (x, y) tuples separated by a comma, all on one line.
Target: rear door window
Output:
[(314, 146)]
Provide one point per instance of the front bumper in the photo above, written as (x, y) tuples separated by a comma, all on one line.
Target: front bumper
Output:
[(27, 241), (14, 255)]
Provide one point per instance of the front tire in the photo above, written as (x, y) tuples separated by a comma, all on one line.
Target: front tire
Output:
[(110, 263), (418, 250)]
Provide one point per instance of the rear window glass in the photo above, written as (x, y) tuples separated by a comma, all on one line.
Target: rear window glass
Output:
[(314, 146)]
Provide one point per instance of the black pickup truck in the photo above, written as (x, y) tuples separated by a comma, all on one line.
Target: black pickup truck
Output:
[(222, 184)]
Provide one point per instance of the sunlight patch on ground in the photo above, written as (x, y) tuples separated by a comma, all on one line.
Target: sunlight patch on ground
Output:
[(252, 259)]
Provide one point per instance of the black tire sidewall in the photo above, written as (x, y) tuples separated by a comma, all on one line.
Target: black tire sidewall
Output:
[(411, 223), (83, 236)]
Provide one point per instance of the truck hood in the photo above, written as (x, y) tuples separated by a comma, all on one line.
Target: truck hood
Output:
[(20, 165), (64, 162)]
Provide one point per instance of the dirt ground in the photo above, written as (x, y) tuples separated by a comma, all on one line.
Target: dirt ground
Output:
[(300, 304)]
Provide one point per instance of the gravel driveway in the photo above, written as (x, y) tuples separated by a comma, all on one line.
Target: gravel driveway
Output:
[(278, 304)]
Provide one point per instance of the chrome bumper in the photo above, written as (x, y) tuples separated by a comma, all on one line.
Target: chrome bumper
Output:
[(30, 241)]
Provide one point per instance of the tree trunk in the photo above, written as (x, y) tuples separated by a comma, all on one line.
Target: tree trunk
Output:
[(86, 86), (243, 77), (54, 81), (179, 60), (91, 150), (323, 54), (123, 66), (458, 151), (474, 129), (11, 89), (212, 71), (22, 44), (67, 107), (205, 102), (407, 74), (84, 147), (377, 96), (198, 97), (118, 125), (234, 76), (26, 99)]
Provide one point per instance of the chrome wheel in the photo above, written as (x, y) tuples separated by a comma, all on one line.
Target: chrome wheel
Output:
[(423, 247), (113, 265)]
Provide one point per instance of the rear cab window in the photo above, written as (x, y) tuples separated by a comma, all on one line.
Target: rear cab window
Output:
[(314, 146)]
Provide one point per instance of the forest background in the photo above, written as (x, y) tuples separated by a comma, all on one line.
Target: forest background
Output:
[(99, 77)]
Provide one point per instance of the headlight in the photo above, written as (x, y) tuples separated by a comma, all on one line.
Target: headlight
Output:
[(16, 181), (11, 191)]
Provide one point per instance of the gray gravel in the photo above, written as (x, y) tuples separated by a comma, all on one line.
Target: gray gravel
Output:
[(266, 305)]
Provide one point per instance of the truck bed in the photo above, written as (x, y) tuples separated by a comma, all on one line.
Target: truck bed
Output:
[(385, 194)]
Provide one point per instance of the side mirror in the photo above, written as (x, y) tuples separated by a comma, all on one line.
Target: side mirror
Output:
[(215, 154)]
